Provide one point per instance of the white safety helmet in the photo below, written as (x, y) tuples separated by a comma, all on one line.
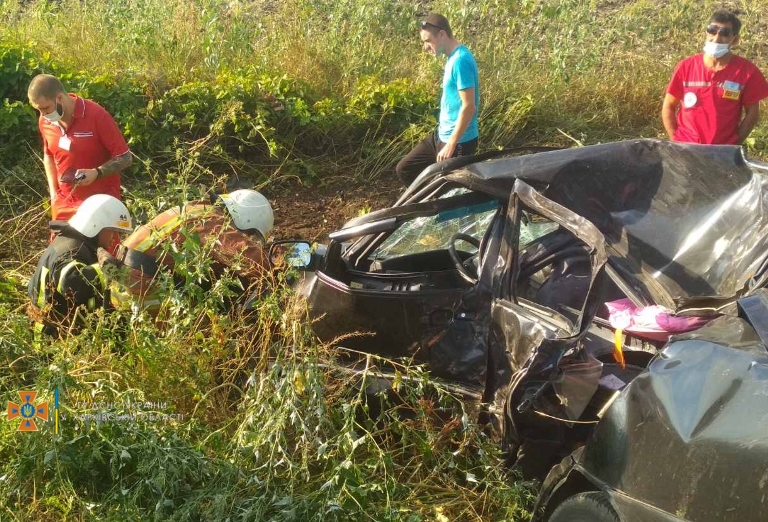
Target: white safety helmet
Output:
[(98, 212), (249, 209)]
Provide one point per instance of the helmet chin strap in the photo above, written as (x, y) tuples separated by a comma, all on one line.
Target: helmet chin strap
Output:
[(255, 232)]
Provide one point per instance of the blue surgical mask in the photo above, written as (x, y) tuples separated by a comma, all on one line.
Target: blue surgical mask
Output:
[(56, 115), (716, 50)]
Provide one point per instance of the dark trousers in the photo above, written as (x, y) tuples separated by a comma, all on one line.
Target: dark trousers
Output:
[(424, 154)]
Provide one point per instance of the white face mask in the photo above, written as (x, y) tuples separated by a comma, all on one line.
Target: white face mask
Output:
[(56, 115), (716, 50)]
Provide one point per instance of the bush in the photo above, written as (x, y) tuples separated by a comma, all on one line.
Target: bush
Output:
[(248, 120), (270, 427)]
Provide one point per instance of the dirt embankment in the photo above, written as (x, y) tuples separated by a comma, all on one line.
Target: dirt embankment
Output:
[(308, 212), (312, 212)]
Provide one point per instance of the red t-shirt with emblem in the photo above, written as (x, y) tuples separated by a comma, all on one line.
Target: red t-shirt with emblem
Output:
[(711, 102), (91, 139)]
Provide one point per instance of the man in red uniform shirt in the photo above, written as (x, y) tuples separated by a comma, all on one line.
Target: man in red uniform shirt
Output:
[(714, 97), (83, 148)]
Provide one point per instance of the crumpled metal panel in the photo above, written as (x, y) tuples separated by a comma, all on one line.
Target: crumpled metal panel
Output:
[(530, 340), (690, 435), (338, 310), (689, 223), (459, 353), (447, 330), (581, 228)]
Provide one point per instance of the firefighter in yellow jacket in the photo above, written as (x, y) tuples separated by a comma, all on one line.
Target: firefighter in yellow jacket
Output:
[(69, 276), (232, 229)]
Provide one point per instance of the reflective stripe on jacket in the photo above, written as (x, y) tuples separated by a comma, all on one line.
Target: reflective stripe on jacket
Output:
[(67, 276), (228, 247)]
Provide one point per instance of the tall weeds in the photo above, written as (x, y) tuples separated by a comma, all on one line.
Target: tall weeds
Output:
[(271, 430), (596, 69), (242, 417)]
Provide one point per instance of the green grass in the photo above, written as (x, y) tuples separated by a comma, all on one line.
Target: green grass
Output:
[(267, 90), (268, 432), (593, 69)]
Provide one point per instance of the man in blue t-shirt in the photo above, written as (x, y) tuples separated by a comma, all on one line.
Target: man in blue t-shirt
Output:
[(457, 132)]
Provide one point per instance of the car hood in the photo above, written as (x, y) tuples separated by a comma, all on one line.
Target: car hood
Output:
[(686, 225)]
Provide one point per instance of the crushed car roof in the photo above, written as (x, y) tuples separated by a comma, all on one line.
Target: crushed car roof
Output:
[(688, 224)]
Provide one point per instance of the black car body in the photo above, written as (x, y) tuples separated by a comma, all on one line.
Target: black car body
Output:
[(493, 271), (688, 438)]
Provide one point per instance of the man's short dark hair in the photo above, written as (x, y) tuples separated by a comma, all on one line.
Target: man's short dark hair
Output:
[(724, 16), (45, 86), (434, 23)]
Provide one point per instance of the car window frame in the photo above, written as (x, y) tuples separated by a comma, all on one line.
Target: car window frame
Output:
[(524, 196), (366, 243), (489, 215)]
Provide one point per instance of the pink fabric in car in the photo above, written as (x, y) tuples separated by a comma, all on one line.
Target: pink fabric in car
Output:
[(650, 322)]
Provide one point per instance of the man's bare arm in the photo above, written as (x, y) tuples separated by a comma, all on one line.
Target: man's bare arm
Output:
[(117, 164), (668, 118), (112, 165), (751, 117), (468, 109), (50, 175)]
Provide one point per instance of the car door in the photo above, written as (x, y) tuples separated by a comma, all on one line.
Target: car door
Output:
[(397, 291), (545, 298)]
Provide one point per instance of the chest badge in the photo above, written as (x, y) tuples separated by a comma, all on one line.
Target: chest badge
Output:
[(731, 90), (689, 100), (65, 143)]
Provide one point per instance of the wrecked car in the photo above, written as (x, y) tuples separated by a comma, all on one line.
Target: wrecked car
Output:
[(684, 440), (495, 271)]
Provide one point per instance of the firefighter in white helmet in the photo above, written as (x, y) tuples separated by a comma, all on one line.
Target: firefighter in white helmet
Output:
[(232, 229), (69, 276)]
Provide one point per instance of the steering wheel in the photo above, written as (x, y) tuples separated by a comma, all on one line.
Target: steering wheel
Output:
[(460, 266)]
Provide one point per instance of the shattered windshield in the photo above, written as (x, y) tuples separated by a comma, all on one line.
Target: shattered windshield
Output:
[(534, 226), (427, 233)]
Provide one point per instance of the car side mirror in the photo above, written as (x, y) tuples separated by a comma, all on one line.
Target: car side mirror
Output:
[(291, 254)]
